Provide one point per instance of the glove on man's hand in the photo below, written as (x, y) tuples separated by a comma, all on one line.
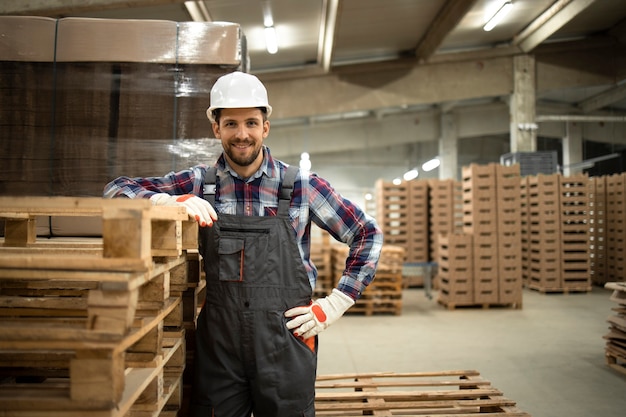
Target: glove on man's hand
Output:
[(311, 320), (197, 207)]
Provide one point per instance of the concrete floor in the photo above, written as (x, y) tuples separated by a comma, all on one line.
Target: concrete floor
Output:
[(547, 356)]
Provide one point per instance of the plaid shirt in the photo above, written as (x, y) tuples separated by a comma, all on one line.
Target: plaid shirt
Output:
[(313, 200)]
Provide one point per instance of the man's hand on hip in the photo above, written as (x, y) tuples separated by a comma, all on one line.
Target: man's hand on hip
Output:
[(310, 320), (198, 208)]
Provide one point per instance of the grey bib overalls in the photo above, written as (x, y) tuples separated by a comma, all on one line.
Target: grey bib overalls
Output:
[(246, 359)]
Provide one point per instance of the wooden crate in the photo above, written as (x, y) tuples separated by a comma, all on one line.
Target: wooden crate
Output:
[(96, 325), (444, 393), (456, 269)]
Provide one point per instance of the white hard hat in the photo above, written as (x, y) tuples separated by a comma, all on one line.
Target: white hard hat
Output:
[(238, 90)]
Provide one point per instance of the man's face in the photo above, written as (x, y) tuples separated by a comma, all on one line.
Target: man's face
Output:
[(242, 132)]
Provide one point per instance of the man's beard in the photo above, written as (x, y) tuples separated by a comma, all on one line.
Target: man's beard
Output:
[(243, 161)]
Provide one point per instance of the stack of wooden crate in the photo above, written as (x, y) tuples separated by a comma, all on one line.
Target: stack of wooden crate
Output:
[(616, 227), (615, 348), (480, 219), (492, 222), (96, 326), (384, 294), (402, 214), (544, 232), (456, 269), (574, 222), (597, 230), (559, 233), (445, 210), (525, 229), (417, 248), (392, 212), (508, 204)]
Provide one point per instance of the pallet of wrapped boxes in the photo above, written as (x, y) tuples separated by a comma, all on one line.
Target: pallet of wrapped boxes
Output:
[(443, 393), (95, 327), (384, 294), (615, 348)]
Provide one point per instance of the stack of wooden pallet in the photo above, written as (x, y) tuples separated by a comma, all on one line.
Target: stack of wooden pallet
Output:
[(445, 393), (96, 327), (384, 294), (615, 348)]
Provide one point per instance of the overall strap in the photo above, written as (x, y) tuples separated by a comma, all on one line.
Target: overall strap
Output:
[(210, 179), (286, 190)]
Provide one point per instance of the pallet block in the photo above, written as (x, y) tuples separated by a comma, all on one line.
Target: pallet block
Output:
[(445, 393)]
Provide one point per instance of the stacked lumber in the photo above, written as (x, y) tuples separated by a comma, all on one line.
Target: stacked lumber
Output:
[(96, 327), (615, 348), (384, 294), (444, 393)]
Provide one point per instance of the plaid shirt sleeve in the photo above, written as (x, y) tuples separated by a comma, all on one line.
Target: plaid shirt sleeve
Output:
[(188, 181), (347, 223)]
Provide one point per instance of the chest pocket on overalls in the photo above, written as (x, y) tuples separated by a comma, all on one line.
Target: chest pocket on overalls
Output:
[(242, 253)]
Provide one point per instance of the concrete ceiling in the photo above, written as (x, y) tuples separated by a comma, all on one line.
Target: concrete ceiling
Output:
[(322, 37)]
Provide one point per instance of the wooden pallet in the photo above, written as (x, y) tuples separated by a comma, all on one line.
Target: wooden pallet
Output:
[(452, 305), (445, 393), (95, 326), (615, 349)]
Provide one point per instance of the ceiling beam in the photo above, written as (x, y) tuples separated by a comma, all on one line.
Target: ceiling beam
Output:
[(550, 21), (446, 20), (605, 98), (62, 7), (327, 34)]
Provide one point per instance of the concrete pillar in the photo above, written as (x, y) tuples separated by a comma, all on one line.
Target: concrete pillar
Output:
[(522, 105), (572, 147), (448, 147)]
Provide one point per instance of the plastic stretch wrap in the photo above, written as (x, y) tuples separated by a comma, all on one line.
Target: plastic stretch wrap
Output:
[(86, 100)]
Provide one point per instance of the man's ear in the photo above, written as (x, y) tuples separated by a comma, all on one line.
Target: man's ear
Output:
[(216, 129), (266, 128)]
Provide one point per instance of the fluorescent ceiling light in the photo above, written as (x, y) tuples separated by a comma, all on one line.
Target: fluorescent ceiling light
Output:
[(498, 16), (397, 181), (430, 165), (411, 175), (271, 42)]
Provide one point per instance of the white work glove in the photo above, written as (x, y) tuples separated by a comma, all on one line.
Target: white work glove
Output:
[(198, 208), (311, 320)]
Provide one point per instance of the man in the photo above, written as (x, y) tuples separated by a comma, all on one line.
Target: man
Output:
[(257, 331)]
